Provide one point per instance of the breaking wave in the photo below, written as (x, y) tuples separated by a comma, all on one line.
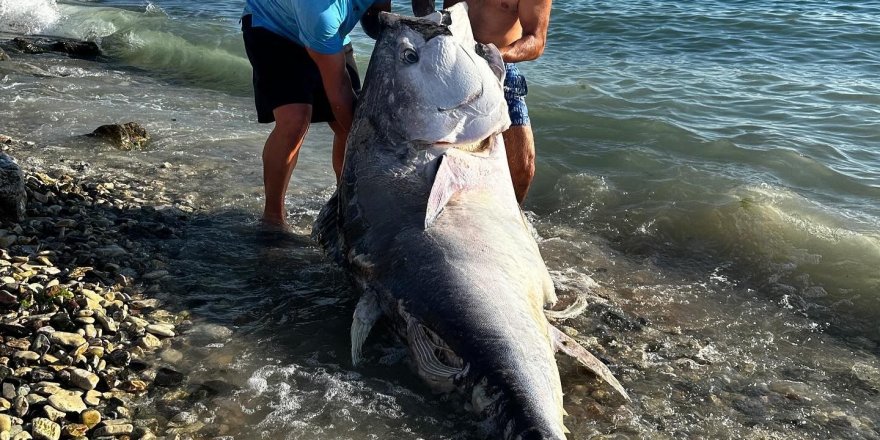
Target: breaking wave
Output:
[(196, 51), (27, 16)]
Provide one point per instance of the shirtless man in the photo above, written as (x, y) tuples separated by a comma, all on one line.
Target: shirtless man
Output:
[(518, 28)]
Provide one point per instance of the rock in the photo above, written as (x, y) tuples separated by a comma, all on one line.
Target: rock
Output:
[(171, 356), (6, 298), (148, 341), (67, 339), (120, 357), (45, 429), (74, 430), (164, 330), (5, 423), (53, 414), (67, 402), (128, 136), (83, 379), (114, 430), (3, 56), (21, 406), (25, 357), (13, 197), (167, 377), (26, 46), (92, 398), (209, 333), (90, 417), (79, 49)]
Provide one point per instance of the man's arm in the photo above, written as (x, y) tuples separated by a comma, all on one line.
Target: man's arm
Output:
[(534, 17), (337, 84), (370, 20)]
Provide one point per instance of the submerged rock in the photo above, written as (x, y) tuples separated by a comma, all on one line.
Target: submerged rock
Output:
[(3, 56), (27, 46), (79, 49), (71, 47), (128, 136), (13, 197)]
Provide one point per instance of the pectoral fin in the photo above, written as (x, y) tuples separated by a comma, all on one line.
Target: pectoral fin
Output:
[(454, 174), (366, 314), (569, 346)]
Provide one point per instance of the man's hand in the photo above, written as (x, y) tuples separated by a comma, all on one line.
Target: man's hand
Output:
[(337, 85), (370, 20)]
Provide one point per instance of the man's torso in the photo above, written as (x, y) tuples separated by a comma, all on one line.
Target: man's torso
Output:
[(297, 20)]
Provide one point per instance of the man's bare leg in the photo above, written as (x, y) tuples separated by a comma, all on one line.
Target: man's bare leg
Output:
[(340, 137), (520, 146), (280, 154)]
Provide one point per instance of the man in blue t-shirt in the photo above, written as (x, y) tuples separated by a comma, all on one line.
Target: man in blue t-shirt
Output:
[(304, 71)]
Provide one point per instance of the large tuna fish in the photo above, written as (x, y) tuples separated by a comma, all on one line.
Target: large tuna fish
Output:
[(426, 220)]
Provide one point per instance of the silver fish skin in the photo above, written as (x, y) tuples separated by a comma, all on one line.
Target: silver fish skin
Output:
[(426, 221)]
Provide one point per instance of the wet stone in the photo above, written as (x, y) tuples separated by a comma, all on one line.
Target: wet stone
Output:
[(149, 342), (5, 422), (167, 377), (119, 358), (164, 330), (114, 430), (127, 136), (13, 197), (171, 356)]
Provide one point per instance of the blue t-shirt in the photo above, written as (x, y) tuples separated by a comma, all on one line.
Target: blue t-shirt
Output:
[(320, 25)]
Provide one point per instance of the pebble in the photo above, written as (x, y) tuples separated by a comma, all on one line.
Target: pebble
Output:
[(164, 330), (90, 417), (45, 429), (83, 379), (67, 339), (114, 430), (149, 342), (68, 403)]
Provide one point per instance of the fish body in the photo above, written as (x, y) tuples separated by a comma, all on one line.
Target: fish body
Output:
[(426, 221)]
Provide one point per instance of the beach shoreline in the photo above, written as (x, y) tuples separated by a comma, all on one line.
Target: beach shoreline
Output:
[(84, 338)]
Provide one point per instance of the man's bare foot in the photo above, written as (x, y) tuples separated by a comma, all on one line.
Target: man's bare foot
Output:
[(267, 225)]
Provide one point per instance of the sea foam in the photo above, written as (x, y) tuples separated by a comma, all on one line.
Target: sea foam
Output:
[(28, 16)]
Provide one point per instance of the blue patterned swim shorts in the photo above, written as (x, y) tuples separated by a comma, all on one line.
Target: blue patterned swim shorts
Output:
[(515, 90)]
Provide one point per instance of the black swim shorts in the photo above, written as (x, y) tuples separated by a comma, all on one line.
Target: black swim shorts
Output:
[(284, 73)]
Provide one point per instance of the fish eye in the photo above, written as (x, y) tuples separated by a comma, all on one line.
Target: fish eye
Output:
[(409, 56)]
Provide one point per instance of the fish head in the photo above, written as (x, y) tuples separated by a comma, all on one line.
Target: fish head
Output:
[(429, 81)]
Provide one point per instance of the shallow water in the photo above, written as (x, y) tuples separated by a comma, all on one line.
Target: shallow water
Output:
[(709, 168)]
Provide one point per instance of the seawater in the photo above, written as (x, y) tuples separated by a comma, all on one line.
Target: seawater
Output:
[(712, 166)]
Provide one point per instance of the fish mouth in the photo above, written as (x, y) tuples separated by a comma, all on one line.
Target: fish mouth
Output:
[(484, 146)]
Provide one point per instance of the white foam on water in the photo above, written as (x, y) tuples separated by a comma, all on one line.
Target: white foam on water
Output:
[(28, 16)]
